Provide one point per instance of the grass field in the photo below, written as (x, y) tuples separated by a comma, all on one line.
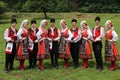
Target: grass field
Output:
[(61, 74)]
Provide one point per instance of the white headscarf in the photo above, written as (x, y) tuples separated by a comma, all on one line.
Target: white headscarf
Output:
[(82, 22), (62, 22), (107, 22), (24, 21), (42, 22)]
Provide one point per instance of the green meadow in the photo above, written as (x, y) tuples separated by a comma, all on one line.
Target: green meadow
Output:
[(59, 74)]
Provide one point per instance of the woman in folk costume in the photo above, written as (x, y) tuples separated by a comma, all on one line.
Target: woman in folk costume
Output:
[(111, 51), (43, 48), (22, 51), (10, 36), (64, 48), (85, 49)]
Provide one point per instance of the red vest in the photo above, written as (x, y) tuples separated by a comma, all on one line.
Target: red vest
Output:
[(74, 32), (65, 34), (109, 35), (11, 34), (44, 34), (55, 32), (25, 33), (84, 33), (32, 34), (97, 32)]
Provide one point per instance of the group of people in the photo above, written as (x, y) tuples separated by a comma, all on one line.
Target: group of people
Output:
[(41, 43)]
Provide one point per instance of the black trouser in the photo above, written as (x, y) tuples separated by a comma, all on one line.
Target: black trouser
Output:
[(9, 60), (54, 53), (33, 56), (74, 49), (97, 48)]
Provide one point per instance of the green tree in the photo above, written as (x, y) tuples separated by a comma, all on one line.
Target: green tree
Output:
[(3, 7), (99, 6), (14, 5), (64, 6), (39, 6)]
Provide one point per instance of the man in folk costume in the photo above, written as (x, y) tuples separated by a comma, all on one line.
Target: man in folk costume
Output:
[(97, 35), (53, 36), (75, 42), (111, 50), (64, 48), (33, 45), (85, 49), (22, 51), (43, 48), (10, 36)]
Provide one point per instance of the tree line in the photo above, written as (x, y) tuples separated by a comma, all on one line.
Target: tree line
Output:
[(87, 6)]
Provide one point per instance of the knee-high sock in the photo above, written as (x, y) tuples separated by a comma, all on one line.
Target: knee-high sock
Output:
[(41, 62), (85, 62), (22, 63)]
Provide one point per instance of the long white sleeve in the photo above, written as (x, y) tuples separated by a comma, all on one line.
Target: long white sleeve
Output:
[(39, 33), (115, 36), (19, 34), (6, 36), (101, 34), (89, 34), (70, 35)]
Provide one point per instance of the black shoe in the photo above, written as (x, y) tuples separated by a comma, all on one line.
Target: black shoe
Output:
[(6, 71), (11, 68), (56, 67), (30, 67), (33, 67), (52, 65), (75, 66), (99, 69)]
